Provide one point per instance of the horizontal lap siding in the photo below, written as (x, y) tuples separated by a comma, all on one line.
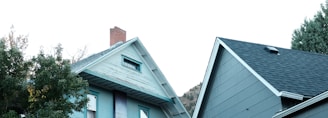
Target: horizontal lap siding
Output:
[(235, 92), (144, 80)]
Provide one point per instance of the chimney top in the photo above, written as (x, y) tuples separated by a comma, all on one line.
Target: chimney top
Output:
[(117, 35)]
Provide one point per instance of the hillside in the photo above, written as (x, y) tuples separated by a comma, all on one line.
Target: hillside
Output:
[(189, 99)]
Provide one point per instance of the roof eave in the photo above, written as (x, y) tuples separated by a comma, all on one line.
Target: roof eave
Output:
[(152, 65), (112, 84), (302, 105)]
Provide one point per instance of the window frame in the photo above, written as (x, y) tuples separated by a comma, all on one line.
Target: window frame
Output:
[(96, 94), (132, 62), (143, 108)]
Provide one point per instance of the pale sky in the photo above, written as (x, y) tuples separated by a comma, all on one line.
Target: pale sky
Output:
[(179, 34)]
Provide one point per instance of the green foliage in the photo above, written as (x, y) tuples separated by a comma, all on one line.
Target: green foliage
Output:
[(19, 42), (313, 34), (43, 86), (53, 85), (10, 114), (13, 73), (47, 112)]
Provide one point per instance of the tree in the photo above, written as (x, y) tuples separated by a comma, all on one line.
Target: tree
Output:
[(19, 42), (43, 86), (313, 34), (53, 86), (13, 73), (79, 55)]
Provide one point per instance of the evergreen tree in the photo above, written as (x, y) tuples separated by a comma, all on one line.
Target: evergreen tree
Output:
[(313, 34)]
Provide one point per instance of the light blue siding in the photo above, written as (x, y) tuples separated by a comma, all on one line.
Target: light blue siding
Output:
[(105, 104), (319, 111), (234, 92), (133, 109), (137, 78), (143, 81)]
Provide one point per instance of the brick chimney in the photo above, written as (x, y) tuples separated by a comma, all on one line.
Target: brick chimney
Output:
[(117, 35)]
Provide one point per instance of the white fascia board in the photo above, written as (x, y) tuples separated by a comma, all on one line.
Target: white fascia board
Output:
[(151, 65), (291, 95), (160, 78), (206, 78), (259, 77), (302, 105)]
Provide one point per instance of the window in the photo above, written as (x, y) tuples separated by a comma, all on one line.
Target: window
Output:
[(92, 106), (131, 63), (143, 112)]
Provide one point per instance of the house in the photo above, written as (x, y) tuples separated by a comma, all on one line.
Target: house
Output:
[(251, 80), (125, 82)]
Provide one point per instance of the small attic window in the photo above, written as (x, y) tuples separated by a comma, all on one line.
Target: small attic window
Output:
[(131, 63), (272, 50)]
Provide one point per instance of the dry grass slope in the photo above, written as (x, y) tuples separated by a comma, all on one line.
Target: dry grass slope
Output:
[(189, 99)]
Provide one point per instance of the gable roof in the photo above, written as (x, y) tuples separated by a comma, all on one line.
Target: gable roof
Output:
[(290, 73), (293, 71), (170, 104)]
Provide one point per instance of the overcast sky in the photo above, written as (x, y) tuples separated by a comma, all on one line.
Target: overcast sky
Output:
[(179, 34)]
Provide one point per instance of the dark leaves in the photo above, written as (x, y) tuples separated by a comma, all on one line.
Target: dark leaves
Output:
[(312, 36)]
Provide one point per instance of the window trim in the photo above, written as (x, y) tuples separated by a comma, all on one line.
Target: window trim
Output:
[(144, 109), (133, 61), (91, 92)]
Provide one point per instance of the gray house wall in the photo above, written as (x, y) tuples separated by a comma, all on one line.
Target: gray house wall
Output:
[(318, 110), (234, 92)]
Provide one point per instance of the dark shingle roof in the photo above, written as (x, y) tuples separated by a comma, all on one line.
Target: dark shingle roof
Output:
[(294, 71)]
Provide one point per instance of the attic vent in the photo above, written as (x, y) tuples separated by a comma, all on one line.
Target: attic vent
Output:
[(131, 63), (272, 50)]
